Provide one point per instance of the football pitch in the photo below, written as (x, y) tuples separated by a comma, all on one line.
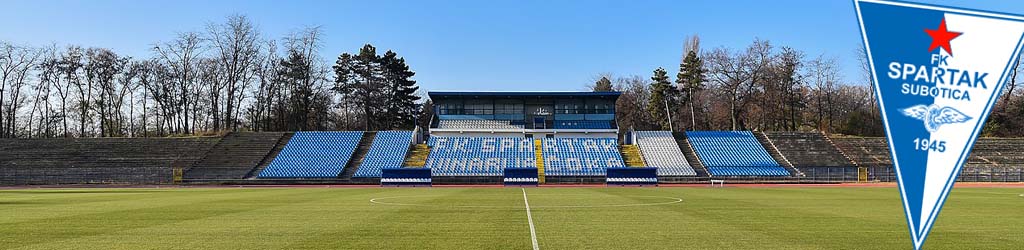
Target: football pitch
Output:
[(498, 218)]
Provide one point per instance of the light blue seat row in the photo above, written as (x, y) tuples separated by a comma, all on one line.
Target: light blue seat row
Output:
[(314, 154), (479, 156), (733, 153), (387, 151), (580, 156)]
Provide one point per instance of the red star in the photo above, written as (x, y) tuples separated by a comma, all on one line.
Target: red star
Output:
[(941, 37)]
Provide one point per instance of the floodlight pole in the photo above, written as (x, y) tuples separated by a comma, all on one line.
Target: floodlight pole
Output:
[(669, 115)]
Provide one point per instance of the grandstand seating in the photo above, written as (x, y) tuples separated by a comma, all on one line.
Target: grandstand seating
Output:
[(807, 149), (865, 151), (481, 124), (995, 159), (234, 156), (580, 156), (660, 150), (98, 160), (813, 155), (734, 153), (583, 125), (388, 151), (479, 156), (314, 155)]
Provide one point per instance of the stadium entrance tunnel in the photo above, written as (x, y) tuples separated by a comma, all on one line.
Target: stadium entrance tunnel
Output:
[(537, 201)]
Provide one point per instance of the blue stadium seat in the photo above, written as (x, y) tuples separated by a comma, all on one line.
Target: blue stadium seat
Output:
[(580, 156), (316, 154), (387, 151), (479, 156), (481, 124), (733, 153), (583, 125)]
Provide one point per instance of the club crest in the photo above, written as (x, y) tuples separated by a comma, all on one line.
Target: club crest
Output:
[(943, 68)]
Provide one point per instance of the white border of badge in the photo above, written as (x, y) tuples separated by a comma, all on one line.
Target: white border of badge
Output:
[(918, 243)]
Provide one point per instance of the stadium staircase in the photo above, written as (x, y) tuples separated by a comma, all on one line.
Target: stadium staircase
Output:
[(417, 157), (281, 142), (631, 155), (864, 151), (691, 156), (774, 152), (358, 155), (234, 156), (833, 144), (537, 146)]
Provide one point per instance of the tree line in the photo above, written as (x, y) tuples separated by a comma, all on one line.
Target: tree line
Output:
[(228, 77), (769, 88)]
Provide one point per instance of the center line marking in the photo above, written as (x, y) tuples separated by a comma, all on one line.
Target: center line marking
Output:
[(529, 216)]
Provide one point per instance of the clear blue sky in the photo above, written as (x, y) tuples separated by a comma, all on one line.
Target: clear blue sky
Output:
[(476, 45)]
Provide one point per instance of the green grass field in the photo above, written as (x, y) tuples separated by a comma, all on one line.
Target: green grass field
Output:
[(496, 218)]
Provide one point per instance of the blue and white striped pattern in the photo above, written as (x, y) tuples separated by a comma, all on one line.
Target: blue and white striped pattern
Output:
[(388, 151), (580, 156), (479, 156), (736, 153), (314, 155), (660, 150)]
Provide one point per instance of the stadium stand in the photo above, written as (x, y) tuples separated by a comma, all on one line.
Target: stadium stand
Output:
[(362, 149), (734, 153), (387, 151), (995, 159), (814, 155), (481, 124), (660, 150), (580, 156), (808, 149), (584, 125), (98, 160), (314, 155), (769, 146), (691, 156), (478, 156), (865, 151), (281, 143), (992, 159), (234, 156)]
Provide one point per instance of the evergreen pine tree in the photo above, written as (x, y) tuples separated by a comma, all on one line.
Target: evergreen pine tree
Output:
[(380, 86), (662, 94), (357, 77), (400, 90), (691, 80), (603, 85)]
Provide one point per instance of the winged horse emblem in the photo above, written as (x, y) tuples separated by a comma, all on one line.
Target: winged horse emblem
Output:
[(935, 116)]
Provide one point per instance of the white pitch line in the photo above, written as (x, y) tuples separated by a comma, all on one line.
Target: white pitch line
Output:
[(529, 216)]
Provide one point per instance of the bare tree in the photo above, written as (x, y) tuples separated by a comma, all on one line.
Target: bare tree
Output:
[(237, 48), (181, 56), (823, 74), (737, 74), (16, 63)]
